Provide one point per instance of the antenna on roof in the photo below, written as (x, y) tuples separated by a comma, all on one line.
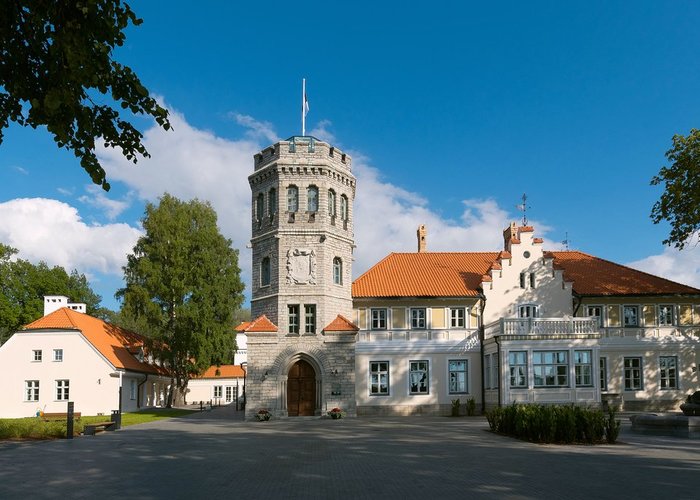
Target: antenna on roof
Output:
[(523, 208), (566, 241)]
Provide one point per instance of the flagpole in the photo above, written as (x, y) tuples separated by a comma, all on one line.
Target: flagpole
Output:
[(303, 108)]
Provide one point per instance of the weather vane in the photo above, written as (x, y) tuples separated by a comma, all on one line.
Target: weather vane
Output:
[(566, 241), (523, 208)]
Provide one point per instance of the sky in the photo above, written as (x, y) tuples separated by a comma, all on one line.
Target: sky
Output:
[(451, 112)]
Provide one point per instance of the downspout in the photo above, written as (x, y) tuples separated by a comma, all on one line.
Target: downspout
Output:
[(482, 303), (498, 361), (138, 391)]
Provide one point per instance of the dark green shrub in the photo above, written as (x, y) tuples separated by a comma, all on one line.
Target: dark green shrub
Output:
[(612, 427), (471, 407)]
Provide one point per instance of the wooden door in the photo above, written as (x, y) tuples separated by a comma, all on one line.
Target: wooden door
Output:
[(301, 390)]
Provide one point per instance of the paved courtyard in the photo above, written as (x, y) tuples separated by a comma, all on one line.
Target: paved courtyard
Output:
[(217, 455)]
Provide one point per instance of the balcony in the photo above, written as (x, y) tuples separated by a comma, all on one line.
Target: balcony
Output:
[(542, 326)]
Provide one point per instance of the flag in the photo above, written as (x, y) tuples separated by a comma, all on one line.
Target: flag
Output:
[(305, 110)]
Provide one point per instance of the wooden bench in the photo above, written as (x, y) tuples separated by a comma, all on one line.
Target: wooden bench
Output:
[(48, 417), (91, 429)]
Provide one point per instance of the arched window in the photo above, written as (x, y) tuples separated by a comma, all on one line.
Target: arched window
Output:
[(265, 271), (343, 207), (312, 199), (292, 199), (331, 203), (337, 271), (272, 201), (259, 207)]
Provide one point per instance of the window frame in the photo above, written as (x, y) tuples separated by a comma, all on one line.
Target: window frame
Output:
[(419, 367), (669, 308), (265, 271), (668, 382), (455, 318), (337, 271), (514, 362), (561, 377), (133, 390), (378, 372), (38, 355), (309, 319), (381, 318), (218, 392), (62, 389), (58, 355), (331, 203), (292, 198), (312, 197), (272, 202), (533, 311), (344, 207), (600, 317), (260, 207), (579, 367), (416, 320), (630, 307), (456, 371), (603, 373), (293, 312), (628, 374), (31, 391)]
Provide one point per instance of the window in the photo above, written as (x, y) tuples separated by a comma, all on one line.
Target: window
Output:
[(229, 393), (310, 319), (418, 377), (527, 311), (58, 354), (344, 207), (603, 374), (668, 369), (487, 371), (522, 280), (331, 203), (312, 199), (583, 368), (458, 376), (491, 371), (630, 315), (379, 378), (260, 207), (418, 318), (517, 361), (532, 280), (265, 271), (37, 354), (293, 318), (595, 312), (550, 368), (457, 317), (218, 391), (337, 271), (292, 199), (633, 374), (272, 202), (132, 389), (665, 315), (378, 319), (494, 371), (62, 390), (31, 390)]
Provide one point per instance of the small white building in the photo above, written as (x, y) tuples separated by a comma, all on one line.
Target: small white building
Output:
[(220, 385), (71, 356)]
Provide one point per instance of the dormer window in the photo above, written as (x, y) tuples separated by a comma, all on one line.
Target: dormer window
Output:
[(312, 199)]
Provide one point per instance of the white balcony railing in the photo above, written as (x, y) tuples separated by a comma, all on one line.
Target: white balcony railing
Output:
[(542, 326)]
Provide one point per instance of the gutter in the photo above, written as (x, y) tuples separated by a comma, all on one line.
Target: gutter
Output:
[(482, 297)]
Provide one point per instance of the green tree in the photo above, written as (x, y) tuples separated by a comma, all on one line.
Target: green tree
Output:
[(23, 286), (680, 203), (55, 67), (183, 286)]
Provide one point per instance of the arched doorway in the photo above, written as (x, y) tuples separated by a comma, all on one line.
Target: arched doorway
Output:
[(301, 390)]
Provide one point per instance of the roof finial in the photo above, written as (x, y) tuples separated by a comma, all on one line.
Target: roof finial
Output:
[(566, 241), (523, 208)]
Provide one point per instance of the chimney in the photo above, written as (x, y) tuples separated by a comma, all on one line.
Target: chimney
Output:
[(510, 233), (422, 233)]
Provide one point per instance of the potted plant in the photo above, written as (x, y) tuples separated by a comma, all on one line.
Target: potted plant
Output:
[(263, 415), (336, 413)]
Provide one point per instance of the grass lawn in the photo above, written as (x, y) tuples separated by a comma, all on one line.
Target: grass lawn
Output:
[(36, 428)]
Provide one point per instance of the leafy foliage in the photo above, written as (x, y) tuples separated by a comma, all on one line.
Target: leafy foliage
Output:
[(680, 202), (183, 287), (55, 64), (23, 286)]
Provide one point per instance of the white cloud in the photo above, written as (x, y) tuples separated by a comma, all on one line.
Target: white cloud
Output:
[(256, 129), (21, 170), (53, 231), (97, 198), (321, 131), (682, 266)]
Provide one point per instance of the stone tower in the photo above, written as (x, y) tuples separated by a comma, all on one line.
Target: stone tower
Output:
[(302, 241)]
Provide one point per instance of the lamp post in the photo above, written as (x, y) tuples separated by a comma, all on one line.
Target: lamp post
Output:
[(244, 365)]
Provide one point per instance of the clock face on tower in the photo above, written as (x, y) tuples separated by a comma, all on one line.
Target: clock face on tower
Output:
[(301, 266)]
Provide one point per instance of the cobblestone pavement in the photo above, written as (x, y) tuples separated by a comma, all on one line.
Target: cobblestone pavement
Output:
[(216, 454)]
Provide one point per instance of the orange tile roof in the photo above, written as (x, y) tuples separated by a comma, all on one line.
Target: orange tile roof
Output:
[(225, 371), (341, 324), (425, 274), (243, 326), (260, 324), (594, 276), (434, 274), (110, 340)]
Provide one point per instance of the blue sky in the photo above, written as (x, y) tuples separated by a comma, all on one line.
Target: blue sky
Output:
[(451, 112)]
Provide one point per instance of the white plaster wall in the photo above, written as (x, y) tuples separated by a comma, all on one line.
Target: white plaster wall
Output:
[(91, 388), (203, 389)]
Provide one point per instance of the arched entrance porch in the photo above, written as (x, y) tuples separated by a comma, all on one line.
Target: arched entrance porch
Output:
[(301, 390)]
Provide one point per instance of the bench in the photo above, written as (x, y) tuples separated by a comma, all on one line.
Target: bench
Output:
[(91, 429), (48, 417)]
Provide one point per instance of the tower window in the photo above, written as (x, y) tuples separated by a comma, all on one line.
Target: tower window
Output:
[(310, 319), (331, 203), (272, 202), (265, 272), (260, 207), (344, 207), (293, 318), (312, 199), (292, 199), (337, 271)]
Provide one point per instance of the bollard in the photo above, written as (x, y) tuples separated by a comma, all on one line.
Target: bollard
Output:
[(69, 420)]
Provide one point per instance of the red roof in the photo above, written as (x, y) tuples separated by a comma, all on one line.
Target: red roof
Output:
[(260, 324), (341, 324), (224, 371), (435, 274), (113, 342)]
